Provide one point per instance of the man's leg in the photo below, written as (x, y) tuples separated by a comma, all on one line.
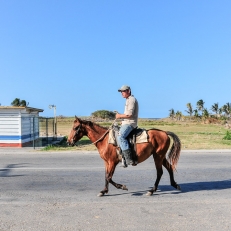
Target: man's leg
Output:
[(122, 139)]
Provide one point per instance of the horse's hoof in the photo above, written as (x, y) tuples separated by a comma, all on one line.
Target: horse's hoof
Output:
[(100, 194), (149, 193), (178, 187), (124, 187)]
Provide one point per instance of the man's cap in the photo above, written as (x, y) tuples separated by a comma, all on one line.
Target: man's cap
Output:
[(124, 88)]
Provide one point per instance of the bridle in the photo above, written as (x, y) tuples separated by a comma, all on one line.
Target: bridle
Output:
[(77, 129)]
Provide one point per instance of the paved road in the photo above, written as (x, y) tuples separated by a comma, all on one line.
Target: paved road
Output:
[(57, 191)]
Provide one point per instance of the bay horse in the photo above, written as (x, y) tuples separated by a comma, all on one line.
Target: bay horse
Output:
[(157, 145)]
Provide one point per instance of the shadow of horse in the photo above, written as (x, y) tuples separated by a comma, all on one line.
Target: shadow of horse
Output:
[(6, 172), (205, 185), (185, 188)]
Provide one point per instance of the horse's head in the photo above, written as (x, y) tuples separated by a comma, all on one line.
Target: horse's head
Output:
[(76, 132)]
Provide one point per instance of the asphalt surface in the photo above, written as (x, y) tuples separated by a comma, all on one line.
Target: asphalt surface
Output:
[(58, 191)]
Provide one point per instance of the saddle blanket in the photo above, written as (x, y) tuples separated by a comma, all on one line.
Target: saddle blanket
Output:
[(142, 138)]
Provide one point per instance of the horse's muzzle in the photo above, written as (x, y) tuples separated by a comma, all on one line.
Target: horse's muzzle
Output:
[(70, 143)]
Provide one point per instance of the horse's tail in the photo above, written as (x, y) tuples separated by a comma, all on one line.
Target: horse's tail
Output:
[(174, 153)]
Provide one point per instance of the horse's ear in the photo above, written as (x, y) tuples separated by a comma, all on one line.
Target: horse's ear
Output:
[(78, 119)]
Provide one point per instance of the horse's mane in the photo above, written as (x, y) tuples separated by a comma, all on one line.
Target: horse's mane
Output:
[(92, 124)]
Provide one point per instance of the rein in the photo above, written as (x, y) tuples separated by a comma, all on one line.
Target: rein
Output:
[(77, 131), (101, 137)]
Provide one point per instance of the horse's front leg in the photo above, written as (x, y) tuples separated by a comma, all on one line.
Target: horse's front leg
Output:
[(158, 162), (109, 171), (105, 190)]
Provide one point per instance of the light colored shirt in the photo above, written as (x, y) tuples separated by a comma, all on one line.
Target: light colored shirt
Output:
[(131, 108)]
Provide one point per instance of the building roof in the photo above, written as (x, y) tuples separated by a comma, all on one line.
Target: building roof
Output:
[(29, 109)]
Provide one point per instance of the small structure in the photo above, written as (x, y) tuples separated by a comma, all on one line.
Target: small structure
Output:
[(19, 126)]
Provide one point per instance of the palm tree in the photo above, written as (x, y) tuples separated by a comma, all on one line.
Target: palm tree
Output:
[(196, 114), (23, 103), (215, 108), (220, 110), (172, 113), (190, 109), (205, 113), (200, 105), (178, 115), (227, 109), (16, 102)]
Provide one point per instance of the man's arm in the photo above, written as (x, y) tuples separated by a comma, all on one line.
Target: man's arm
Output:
[(123, 116)]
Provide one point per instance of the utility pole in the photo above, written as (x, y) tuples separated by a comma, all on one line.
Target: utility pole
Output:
[(55, 124)]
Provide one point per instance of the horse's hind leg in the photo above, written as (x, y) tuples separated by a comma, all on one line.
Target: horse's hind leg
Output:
[(158, 162), (168, 166)]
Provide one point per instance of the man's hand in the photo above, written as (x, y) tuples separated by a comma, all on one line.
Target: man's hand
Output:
[(118, 116)]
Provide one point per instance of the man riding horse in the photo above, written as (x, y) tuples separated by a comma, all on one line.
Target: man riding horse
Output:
[(157, 145), (129, 122)]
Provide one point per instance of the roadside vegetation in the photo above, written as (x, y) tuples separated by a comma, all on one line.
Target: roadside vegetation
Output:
[(201, 113), (200, 128), (193, 133)]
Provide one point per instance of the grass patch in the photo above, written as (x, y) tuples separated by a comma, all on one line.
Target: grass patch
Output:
[(83, 144), (48, 148), (193, 134)]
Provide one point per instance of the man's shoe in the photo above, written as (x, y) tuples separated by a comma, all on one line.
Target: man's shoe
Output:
[(128, 157), (123, 164)]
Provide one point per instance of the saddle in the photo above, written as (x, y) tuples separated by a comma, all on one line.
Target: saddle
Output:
[(137, 135)]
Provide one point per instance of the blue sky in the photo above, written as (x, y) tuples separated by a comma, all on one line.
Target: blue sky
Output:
[(76, 54)]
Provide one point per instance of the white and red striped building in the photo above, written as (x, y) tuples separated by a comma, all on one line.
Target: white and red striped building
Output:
[(19, 126)]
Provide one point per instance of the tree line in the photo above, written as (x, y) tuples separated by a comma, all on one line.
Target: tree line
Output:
[(200, 112), (17, 102)]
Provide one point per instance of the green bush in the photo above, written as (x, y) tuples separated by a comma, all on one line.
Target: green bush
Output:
[(63, 142), (227, 136), (103, 114)]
